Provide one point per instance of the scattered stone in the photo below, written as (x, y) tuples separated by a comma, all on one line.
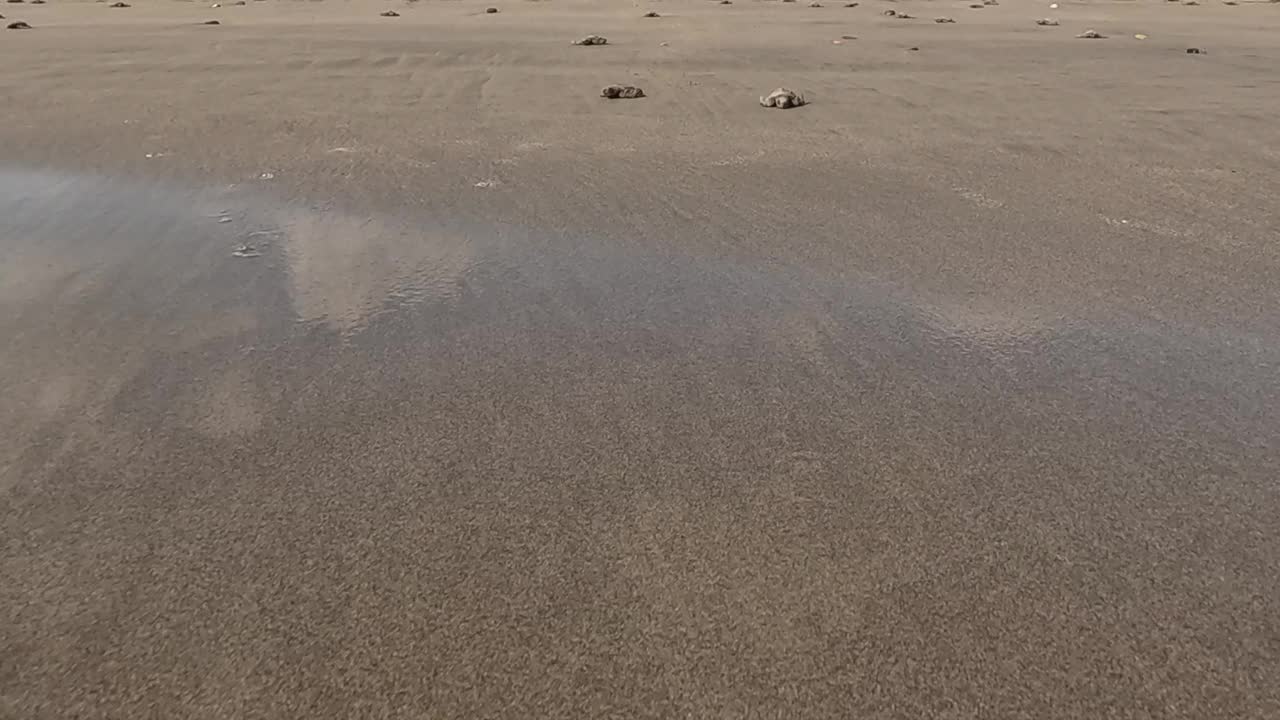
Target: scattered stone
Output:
[(851, 5), (914, 49), (1230, 2), (726, 2), (491, 10), (1139, 36), (782, 99), (890, 13), (1091, 35), (119, 5), (37, 2), (652, 14), (848, 37), (990, 2), (389, 13), (943, 20), (976, 7), (1190, 2), (621, 92), (1195, 51), (904, 16), (592, 40), (216, 5), (246, 250), (210, 22), (815, 4), (15, 1), (1051, 22), (19, 25)]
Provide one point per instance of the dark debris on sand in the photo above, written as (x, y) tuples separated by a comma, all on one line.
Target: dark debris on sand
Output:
[(389, 13), (592, 40), (621, 92), (19, 25)]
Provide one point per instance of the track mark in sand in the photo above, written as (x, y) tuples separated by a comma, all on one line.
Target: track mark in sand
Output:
[(1146, 226), (978, 198), (738, 160)]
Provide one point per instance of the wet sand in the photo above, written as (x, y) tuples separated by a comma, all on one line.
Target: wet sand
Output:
[(951, 395)]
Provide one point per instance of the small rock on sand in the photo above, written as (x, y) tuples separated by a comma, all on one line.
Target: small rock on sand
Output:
[(37, 2), (389, 13), (726, 2), (1190, 2), (1091, 35), (652, 14), (943, 20), (889, 13), (815, 4), (19, 25), (621, 92), (119, 5), (491, 10), (976, 7), (782, 99), (1051, 22), (15, 1), (904, 16), (592, 40), (990, 2), (851, 5), (210, 22), (1195, 51)]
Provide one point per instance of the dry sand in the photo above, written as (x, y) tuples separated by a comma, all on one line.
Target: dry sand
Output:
[(953, 394)]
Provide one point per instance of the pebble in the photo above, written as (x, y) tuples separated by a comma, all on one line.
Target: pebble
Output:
[(851, 5), (491, 10), (19, 25), (119, 5), (621, 92), (389, 13), (943, 20), (246, 250), (1047, 21), (782, 99), (1091, 35), (210, 22), (592, 40), (1195, 51), (815, 4), (652, 14)]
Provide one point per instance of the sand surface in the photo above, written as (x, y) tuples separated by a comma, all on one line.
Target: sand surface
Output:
[(953, 394)]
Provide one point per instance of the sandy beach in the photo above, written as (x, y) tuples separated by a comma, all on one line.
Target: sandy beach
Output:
[(377, 367)]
